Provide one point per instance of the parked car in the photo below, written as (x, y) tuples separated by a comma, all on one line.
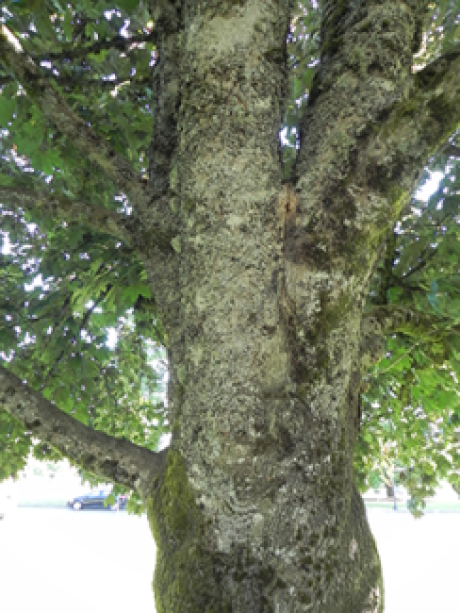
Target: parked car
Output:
[(95, 499), (7, 500)]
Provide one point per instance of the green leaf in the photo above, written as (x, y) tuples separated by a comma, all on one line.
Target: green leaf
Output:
[(128, 5), (67, 24), (7, 108)]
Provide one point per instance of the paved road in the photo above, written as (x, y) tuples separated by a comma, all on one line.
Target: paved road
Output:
[(56, 560), (420, 559), (60, 561)]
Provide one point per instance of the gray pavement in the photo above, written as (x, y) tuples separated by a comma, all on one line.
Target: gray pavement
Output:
[(57, 560), (419, 559)]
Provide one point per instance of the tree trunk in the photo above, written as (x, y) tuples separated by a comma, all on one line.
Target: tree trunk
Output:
[(256, 509), (290, 545)]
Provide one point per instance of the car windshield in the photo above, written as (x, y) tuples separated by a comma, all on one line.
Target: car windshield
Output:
[(97, 493)]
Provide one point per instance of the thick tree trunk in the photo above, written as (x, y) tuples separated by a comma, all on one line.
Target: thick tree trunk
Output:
[(257, 509), (266, 552)]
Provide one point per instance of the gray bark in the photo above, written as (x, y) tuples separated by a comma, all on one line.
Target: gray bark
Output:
[(256, 509)]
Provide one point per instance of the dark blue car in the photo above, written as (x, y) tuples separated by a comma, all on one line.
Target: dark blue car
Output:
[(95, 500)]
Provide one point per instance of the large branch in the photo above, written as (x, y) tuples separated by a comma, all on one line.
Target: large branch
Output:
[(82, 82), (166, 96), (57, 111), (163, 154), (368, 129), (60, 207), (143, 235), (343, 206), (117, 460), (416, 127)]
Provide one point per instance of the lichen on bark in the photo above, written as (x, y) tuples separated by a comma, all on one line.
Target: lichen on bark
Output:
[(267, 343)]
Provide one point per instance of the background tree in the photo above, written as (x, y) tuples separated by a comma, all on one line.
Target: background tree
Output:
[(307, 298)]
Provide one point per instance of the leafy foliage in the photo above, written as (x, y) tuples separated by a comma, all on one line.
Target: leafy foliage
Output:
[(412, 409), (441, 30), (303, 50), (65, 286)]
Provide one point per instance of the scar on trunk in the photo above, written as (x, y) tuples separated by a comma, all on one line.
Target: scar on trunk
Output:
[(288, 200)]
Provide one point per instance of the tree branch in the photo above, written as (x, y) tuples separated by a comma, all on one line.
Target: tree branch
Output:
[(347, 190), (82, 325), (393, 317), (71, 52), (60, 207), (387, 268), (408, 289), (166, 96), (56, 110), (117, 460), (163, 153), (427, 256), (419, 125), (136, 83), (363, 172)]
